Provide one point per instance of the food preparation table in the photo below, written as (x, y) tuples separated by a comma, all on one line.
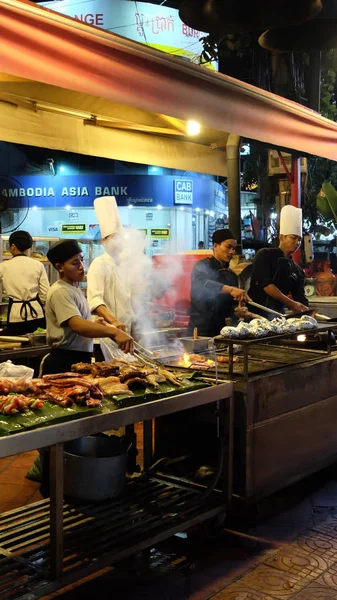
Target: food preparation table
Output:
[(50, 544)]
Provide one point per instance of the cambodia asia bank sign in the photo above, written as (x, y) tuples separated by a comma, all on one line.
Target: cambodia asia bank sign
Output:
[(156, 26)]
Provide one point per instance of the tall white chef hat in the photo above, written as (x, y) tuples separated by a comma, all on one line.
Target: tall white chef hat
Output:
[(107, 214), (291, 221)]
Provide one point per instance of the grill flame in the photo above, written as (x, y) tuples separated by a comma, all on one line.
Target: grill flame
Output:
[(188, 360)]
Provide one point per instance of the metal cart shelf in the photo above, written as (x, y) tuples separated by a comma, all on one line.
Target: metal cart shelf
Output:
[(50, 544)]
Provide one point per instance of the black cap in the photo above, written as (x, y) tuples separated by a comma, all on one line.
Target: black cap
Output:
[(62, 251), (220, 235), (22, 239)]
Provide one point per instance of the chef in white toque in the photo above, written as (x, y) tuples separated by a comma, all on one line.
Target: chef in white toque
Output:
[(109, 283), (277, 282)]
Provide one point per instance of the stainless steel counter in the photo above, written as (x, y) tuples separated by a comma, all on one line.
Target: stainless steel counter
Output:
[(63, 432)]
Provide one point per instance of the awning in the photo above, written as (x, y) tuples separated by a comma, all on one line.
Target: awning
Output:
[(98, 81)]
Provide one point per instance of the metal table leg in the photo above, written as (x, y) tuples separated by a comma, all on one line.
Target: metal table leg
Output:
[(147, 444), (56, 510)]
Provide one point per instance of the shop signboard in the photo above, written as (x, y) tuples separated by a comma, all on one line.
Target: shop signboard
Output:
[(141, 191), (73, 228), (160, 233), (156, 26), (183, 191)]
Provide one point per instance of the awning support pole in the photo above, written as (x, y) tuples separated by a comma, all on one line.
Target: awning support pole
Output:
[(233, 183), (294, 178)]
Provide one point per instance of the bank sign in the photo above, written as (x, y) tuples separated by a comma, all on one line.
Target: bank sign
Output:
[(74, 191), (183, 191)]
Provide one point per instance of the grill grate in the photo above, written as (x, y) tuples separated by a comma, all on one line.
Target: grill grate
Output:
[(95, 535)]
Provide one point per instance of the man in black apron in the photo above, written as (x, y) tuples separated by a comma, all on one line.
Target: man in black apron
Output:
[(25, 282), (214, 287), (277, 282)]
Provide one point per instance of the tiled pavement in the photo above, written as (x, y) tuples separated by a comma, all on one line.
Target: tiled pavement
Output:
[(290, 554)]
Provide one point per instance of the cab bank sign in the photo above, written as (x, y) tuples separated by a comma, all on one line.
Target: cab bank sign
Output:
[(183, 191)]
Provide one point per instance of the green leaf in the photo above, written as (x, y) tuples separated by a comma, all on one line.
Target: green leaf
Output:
[(326, 201)]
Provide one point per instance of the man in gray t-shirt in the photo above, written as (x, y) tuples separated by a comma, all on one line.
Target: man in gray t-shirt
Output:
[(70, 330), (65, 301)]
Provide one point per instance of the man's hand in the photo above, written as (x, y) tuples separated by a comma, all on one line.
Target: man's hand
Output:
[(118, 325), (242, 312), (239, 295), (124, 341), (297, 307)]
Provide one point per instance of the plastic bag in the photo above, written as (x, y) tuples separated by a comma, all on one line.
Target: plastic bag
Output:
[(14, 378), (112, 352)]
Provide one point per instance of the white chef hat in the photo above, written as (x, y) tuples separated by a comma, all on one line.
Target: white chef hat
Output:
[(107, 214), (291, 221)]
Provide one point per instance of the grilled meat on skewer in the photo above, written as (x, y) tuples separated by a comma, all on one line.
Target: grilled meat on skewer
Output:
[(54, 396)]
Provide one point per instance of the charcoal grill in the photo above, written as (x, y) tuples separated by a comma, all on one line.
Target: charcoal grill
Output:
[(258, 355)]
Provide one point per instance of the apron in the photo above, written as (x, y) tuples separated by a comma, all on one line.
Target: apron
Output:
[(27, 309)]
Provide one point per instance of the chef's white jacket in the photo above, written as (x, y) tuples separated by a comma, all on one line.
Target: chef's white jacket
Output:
[(111, 284), (23, 278)]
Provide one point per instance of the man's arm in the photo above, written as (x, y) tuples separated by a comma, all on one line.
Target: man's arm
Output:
[(202, 278), (294, 305), (102, 311), (263, 276), (90, 329), (298, 291)]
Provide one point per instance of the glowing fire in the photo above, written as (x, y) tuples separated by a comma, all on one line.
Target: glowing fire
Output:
[(185, 361), (301, 338), (194, 359)]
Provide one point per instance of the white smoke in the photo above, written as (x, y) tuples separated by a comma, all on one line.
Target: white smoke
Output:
[(138, 274)]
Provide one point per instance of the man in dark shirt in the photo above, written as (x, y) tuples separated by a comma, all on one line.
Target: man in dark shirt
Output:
[(275, 276), (214, 287)]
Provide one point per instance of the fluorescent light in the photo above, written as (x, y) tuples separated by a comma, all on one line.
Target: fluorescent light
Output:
[(154, 169), (130, 206), (193, 128), (34, 207), (159, 207), (67, 207)]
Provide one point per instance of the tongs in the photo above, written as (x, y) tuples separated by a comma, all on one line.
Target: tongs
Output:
[(144, 355), (278, 314)]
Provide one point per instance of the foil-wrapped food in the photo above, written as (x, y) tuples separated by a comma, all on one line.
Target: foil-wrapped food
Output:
[(261, 327)]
